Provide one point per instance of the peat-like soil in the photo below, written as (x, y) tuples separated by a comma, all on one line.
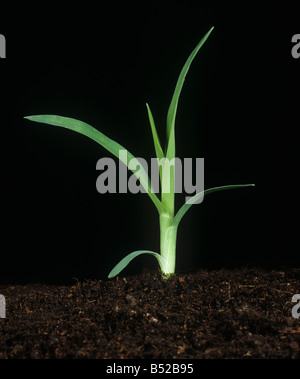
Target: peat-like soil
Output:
[(244, 313)]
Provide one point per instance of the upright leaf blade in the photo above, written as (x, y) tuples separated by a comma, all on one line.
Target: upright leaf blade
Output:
[(168, 199), (157, 145), (174, 103), (182, 211), (110, 145)]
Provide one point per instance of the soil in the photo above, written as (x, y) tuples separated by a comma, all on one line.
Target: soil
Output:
[(242, 313)]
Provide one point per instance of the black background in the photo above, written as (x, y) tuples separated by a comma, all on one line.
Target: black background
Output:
[(101, 64)]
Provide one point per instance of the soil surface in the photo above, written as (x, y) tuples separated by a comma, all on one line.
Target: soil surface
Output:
[(243, 313)]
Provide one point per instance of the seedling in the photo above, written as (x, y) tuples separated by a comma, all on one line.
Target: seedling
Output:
[(169, 221)]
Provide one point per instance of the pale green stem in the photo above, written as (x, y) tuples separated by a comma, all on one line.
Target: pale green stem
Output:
[(168, 232), (168, 236)]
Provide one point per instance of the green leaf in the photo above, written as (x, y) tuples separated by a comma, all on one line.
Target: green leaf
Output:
[(168, 199), (125, 261), (182, 211), (174, 103), (110, 145), (157, 145)]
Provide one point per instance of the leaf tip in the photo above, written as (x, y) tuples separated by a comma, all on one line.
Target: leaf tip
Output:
[(210, 30), (111, 275), (30, 118)]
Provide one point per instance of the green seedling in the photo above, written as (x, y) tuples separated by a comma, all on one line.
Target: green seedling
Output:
[(169, 221)]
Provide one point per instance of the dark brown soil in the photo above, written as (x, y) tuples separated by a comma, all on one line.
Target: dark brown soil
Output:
[(209, 314)]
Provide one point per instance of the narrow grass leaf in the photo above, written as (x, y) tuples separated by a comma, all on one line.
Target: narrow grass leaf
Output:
[(110, 145), (157, 145), (168, 199), (125, 261), (182, 211), (174, 103)]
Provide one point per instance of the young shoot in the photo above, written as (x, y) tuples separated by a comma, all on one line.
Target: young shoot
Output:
[(165, 205)]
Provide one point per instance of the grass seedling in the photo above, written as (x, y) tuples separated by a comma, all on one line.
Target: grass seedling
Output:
[(169, 221)]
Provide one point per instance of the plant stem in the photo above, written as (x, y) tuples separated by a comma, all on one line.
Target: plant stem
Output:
[(168, 232), (168, 236)]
